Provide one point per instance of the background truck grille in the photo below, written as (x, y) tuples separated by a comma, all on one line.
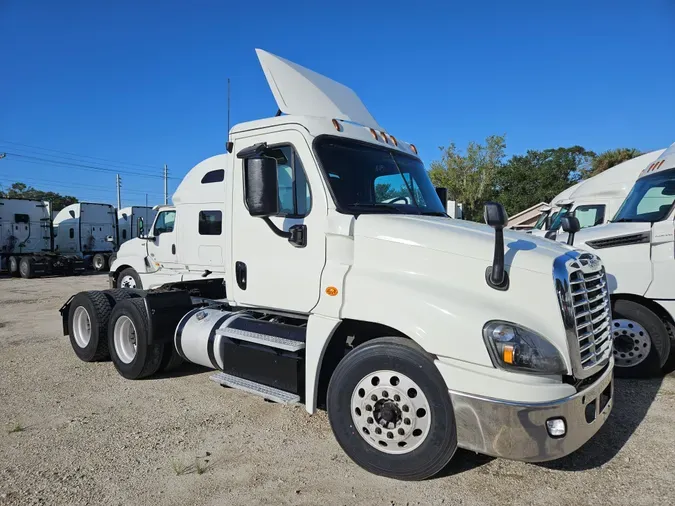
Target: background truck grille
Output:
[(592, 314)]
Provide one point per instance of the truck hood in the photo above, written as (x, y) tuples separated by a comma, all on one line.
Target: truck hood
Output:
[(462, 238), (609, 231)]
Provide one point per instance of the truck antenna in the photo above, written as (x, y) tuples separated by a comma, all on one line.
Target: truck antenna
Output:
[(229, 144)]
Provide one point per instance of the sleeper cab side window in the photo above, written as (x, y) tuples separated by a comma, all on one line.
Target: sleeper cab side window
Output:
[(295, 200), (215, 176), (210, 222)]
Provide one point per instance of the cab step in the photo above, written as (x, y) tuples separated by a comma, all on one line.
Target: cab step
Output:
[(292, 338), (264, 391)]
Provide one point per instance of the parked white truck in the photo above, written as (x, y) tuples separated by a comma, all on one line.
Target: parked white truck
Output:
[(128, 220), (26, 241), (418, 333), (593, 201), (638, 250), (87, 230)]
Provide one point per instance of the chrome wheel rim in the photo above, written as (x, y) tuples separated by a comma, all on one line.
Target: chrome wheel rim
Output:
[(390, 412), (632, 343), (124, 337), (81, 327), (128, 282)]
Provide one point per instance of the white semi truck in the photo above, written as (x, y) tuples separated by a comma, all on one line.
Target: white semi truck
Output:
[(26, 241), (593, 201), (128, 220), (416, 332), (87, 230), (638, 250)]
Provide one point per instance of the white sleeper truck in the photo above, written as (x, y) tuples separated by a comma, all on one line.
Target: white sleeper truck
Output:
[(129, 219), (638, 250), (416, 332), (88, 230), (26, 241), (593, 201)]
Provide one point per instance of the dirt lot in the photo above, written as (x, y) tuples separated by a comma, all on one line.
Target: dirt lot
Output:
[(78, 433)]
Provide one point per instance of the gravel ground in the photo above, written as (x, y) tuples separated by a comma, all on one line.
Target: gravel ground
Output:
[(77, 433)]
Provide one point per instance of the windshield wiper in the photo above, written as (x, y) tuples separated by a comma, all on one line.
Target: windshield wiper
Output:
[(435, 213), (623, 220), (377, 205)]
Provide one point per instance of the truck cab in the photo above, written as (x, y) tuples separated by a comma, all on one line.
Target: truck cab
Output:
[(593, 201), (637, 248), (346, 286)]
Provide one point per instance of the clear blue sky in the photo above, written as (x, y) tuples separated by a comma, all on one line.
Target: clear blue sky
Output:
[(144, 82)]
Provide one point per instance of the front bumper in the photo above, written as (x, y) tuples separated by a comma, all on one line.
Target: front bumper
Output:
[(516, 430)]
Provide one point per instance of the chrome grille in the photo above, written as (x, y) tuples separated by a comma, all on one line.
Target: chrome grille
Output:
[(590, 299), (581, 285)]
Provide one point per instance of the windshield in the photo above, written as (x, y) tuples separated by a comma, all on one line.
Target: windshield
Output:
[(542, 220), (371, 179), (555, 222), (650, 199)]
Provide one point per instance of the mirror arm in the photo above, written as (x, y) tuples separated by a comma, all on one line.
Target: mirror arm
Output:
[(296, 235)]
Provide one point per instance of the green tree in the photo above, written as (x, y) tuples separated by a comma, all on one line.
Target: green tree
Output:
[(22, 191), (538, 176), (609, 159), (470, 177)]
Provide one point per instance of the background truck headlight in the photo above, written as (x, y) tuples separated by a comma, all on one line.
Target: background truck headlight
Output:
[(519, 349)]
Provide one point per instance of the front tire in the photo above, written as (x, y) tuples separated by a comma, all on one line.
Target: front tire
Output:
[(129, 278), (128, 336), (642, 344), (390, 410)]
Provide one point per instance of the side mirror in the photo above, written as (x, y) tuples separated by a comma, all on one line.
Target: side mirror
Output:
[(443, 195), (495, 275), (140, 226), (570, 224), (261, 186)]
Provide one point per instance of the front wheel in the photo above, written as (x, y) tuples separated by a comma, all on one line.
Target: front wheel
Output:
[(641, 341), (129, 278), (13, 267), (390, 410)]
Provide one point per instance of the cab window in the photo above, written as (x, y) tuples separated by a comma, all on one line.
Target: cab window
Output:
[(294, 196), (590, 215), (164, 223)]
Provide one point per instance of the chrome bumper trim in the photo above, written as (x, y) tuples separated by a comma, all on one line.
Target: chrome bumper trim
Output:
[(517, 431)]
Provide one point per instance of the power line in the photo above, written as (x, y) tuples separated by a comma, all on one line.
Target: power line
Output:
[(80, 156), (34, 159), (65, 184)]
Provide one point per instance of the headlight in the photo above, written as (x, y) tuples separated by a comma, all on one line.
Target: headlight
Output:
[(518, 349)]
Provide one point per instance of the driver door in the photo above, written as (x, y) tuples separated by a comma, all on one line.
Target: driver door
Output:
[(161, 244)]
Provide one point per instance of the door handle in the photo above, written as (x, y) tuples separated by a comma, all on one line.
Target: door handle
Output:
[(173, 249)]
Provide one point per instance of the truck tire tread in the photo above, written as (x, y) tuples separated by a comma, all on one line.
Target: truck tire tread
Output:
[(99, 308)]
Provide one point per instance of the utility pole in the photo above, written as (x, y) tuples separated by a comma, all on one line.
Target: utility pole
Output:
[(119, 193), (166, 185)]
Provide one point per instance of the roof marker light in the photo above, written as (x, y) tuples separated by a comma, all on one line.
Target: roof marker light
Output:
[(337, 125), (384, 136), (413, 148), (393, 139), (374, 133)]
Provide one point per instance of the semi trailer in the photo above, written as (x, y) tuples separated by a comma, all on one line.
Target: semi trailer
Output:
[(87, 230), (418, 333), (638, 250), (27, 241)]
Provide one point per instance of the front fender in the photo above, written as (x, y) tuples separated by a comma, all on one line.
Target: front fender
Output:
[(442, 301)]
